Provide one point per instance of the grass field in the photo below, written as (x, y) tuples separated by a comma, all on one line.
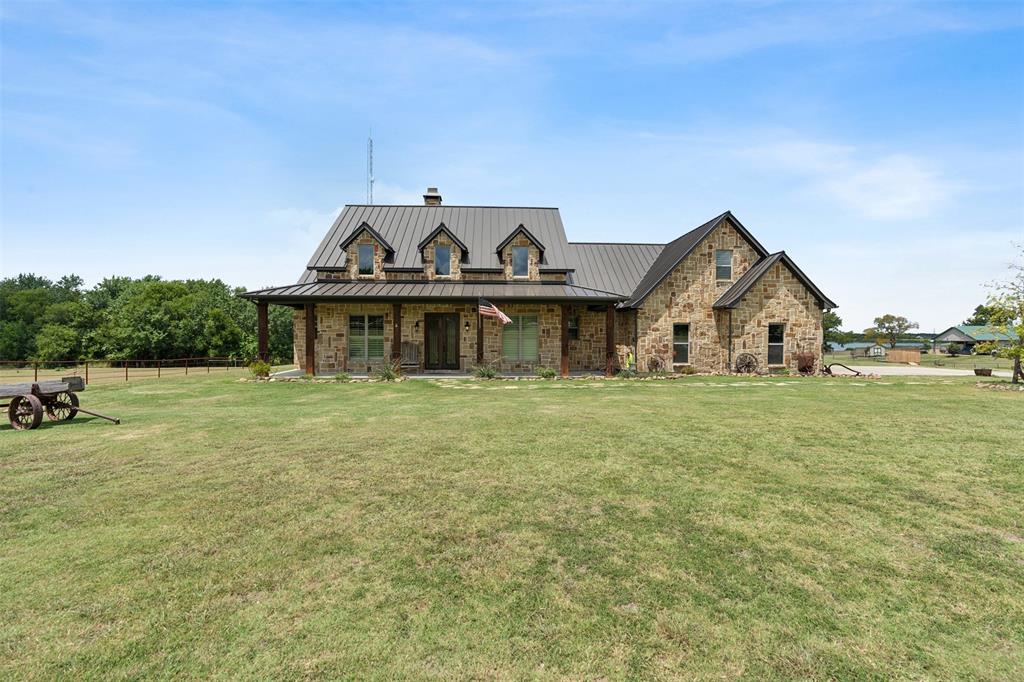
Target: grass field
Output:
[(931, 360), (706, 527)]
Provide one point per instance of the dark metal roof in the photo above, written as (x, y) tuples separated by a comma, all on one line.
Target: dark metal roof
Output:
[(731, 297), (373, 233), (480, 228), (399, 290), (529, 235), (596, 271), (613, 267), (675, 251), (441, 227)]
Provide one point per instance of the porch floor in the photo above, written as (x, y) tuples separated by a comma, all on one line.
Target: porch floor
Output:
[(298, 373)]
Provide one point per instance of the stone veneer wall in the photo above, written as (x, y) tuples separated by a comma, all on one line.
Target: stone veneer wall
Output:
[(332, 333), (441, 239), (778, 297), (464, 276), (588, 351), (506, 258), (686, 296), (352, 258)]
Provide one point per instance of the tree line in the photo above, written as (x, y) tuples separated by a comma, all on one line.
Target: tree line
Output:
[(122, 318)]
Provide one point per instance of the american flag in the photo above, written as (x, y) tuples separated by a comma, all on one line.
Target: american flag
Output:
[(488, 309)]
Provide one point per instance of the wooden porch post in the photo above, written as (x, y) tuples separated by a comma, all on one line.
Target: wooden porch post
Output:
[(565, 339), (310, 339), (262, 333), (396, 335), (609, 341), (479, 337)]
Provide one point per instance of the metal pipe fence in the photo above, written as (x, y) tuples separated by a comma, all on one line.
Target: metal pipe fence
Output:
[(98, 371)]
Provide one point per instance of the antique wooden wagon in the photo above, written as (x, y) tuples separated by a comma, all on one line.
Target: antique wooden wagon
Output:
[(26, 403)]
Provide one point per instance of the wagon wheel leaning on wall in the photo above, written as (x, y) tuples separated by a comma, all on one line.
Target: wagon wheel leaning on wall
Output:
[(746, 363)]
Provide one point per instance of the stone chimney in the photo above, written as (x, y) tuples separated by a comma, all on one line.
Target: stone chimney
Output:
[(432, 198)]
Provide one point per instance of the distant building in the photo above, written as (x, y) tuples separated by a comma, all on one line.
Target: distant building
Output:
[(970, 335)]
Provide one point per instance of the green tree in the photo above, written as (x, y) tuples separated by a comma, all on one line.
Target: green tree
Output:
[(57, 342), (890, 328), (1007, 314), (981, 316), (830, 323)]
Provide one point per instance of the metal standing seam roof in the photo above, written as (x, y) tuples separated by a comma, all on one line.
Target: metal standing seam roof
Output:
[(980, 332), (675, 251), (385, 290), (480, 228), (731, 297), (612, 267), (623, 272)]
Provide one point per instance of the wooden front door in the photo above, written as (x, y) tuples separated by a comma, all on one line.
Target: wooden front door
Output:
[(441, 339)]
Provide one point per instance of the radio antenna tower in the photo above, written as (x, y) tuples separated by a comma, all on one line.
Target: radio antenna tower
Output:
[(369, 168)]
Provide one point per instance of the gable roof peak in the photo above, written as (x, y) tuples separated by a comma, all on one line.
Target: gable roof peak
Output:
[(732, 296), (441, 227), (681, 247), (366, 227), (512, 235)]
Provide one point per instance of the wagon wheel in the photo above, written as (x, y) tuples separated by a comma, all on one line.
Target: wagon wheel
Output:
[(63, 407), (25, 412), (746, 363)]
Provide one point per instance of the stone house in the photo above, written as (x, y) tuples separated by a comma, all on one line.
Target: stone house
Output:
[(402, 284)]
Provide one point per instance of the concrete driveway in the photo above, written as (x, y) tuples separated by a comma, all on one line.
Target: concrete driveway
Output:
[(912, 371)]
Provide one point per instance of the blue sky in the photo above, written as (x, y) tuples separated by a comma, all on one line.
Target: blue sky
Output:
[(880, 145)]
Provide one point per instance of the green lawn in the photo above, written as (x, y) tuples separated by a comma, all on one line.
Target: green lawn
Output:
[(759, 529), (931, 360)]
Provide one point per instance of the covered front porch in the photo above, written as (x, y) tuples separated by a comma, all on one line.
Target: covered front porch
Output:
[(433, 338)]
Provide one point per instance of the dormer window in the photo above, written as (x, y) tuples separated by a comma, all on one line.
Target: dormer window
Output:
[(442, 261), (520, 261), (366, 259)]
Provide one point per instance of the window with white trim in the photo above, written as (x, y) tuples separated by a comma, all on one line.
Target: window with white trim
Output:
[(723, 265), (366, 337), (681, 344), (519, 339), (520, 261), (365, 259), (776, 343)]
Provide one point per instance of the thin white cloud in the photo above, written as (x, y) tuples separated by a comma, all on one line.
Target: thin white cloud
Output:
[(734, 34), (892, 188), (895, 186)]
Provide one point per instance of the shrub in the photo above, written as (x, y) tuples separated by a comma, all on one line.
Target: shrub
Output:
[(626, 373), (388, 373), (485, 372), (954, 349), (259, 368), (343, 377), (687, 369), (986, 348), (805, 362), (547, 372)]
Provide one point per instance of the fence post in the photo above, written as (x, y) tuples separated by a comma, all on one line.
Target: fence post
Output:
[(159, 364), (207, 365), (186, 366), (86, 372), (126, 370), (35, 371)]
